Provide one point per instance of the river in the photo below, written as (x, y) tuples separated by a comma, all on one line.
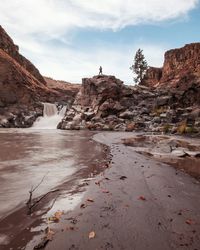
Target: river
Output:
[(27, 156)]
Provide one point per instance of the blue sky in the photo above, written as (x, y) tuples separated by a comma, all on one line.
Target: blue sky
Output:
[(69, 39)]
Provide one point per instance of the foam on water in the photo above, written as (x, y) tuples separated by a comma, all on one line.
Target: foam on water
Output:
[(51, 117)]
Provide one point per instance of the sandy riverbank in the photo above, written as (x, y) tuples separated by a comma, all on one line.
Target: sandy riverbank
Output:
[(135, 203)]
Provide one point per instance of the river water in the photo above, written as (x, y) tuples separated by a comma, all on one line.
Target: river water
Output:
[(27, 155)]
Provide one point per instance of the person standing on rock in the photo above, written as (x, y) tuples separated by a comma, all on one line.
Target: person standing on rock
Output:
[(100, 71)]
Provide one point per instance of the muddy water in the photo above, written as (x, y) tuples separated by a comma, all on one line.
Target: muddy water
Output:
[(26, 156)]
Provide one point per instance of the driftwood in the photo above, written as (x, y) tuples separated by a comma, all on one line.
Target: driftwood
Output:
[(32, 203)]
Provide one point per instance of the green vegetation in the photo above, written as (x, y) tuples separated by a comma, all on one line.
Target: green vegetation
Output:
[(167, 128), (159, 110), (183, 128), (139, 66)]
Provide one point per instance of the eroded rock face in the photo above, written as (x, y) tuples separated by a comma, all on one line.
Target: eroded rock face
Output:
[(7, 45), (152, 77), (181, 64), (177, 85), (181, 69)]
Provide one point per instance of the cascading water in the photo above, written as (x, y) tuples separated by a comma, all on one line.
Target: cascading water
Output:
[(51, 117)]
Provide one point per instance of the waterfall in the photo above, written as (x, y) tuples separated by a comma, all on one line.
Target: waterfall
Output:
[(51, 117), (50, 110)]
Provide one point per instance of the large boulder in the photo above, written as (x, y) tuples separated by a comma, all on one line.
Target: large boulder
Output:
[(98, 99), (95, 91)]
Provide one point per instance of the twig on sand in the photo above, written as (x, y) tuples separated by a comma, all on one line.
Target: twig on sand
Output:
[(29, 202), (30, 207)]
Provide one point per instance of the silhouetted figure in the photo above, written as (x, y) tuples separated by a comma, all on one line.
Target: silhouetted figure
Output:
[(100, 71)]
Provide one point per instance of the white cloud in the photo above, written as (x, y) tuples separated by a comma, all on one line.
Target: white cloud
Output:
[(33, 23), (116, 14), (53, 17)]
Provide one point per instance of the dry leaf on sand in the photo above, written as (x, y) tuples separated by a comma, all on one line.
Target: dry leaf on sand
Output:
[(83, 206), (90, 200), (56, 217), (142, 198), (105, 191), (91, 235), (189, 222)]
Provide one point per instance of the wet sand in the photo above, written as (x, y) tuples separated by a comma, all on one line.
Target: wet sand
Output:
[(135, 203), (181, 152)]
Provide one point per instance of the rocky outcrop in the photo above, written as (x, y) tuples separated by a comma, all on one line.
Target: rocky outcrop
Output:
[(8, 46), (181, 69), (105, 103), (177, 88), (181, 65), (95, 91), (152, 77)]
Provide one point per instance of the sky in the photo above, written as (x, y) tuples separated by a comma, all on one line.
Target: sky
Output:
[(69, 39)]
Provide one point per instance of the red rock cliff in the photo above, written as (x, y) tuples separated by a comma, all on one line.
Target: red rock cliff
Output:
[(181, 68), (181, 63), (8, 46), (152, 77)]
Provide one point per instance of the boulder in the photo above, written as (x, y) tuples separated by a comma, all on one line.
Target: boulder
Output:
[(126, 114), (163, 100), (99, 101), (152, 77)]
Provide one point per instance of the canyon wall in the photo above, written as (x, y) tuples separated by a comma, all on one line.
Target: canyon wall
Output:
[(8, 46), (181, 68)]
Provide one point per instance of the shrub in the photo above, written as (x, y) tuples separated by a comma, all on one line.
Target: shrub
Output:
[(182, 128), (160, 110), (167, 128)]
